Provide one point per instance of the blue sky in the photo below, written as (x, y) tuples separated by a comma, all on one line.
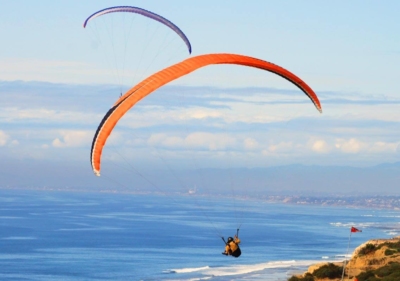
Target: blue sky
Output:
[(58, 79)]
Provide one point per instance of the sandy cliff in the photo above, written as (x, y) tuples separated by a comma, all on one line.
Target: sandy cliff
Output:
[(369, 256), (382, 256)]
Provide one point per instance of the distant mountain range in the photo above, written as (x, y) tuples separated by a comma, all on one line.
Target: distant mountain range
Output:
[(383, 179)]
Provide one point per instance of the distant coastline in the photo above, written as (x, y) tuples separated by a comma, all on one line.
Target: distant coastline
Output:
[(389, 202), (366, 201)]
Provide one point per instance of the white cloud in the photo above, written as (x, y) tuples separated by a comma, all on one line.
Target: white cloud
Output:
[(150, 116), (356, 146), (358, 112), (319, 146), (156, 139), (250, 144), (15, 113), (43, 115), (73, 139), (236, 113), (203, 114), (194, 140), (57, 143), (212, 141), (382, 147), (278, 148), (282, 131), (173, 141), (130, 142), (3, 138), (350, 146)]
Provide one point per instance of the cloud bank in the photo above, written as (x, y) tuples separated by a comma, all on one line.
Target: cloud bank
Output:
[(184, 127)]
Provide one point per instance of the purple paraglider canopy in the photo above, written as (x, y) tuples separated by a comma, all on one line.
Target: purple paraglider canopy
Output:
[(142, 12)]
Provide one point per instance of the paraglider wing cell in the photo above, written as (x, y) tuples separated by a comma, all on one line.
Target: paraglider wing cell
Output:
[(157, 80)]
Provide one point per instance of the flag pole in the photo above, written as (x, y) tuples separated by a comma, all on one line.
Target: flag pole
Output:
[(345, 257)]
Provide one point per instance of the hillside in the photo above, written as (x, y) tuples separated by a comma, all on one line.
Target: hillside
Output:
[(374, 260)]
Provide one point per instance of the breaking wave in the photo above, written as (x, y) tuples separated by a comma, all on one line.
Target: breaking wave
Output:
[(187, 270), (208, 271)]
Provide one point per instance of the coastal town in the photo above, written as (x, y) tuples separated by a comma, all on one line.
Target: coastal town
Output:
[(380, 202)]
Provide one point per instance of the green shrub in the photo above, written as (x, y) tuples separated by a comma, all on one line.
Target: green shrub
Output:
[(328, 271), (388, 270), (391, 245), (369, 248), (395, 276), (389, 252), (367, 276), (307, 277)]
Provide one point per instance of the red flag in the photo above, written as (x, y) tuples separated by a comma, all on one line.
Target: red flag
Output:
[(353, 229)]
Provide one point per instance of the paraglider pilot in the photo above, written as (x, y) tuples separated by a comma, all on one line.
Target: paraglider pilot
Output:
[(232, 246)]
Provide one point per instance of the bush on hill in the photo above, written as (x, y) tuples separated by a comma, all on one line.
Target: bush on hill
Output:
[(390, 252), (393, 248), (307, 277), (391, 245), (390, 272), (328, 271), (367, 276), (369, 248)]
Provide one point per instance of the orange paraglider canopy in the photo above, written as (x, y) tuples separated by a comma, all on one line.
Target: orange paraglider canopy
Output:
[(157, 80)]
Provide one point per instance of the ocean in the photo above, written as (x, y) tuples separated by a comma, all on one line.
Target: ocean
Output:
[(54, 235)]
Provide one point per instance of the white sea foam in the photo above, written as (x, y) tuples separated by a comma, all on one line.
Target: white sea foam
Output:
[(245, 269), (192, 279), (389, 229), (392, 216), (341, 224), (188, 270), (19, 238), (341, 257), (90, 229), (358, 225)]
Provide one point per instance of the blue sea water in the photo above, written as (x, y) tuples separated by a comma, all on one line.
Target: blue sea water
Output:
[(102, 236)]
